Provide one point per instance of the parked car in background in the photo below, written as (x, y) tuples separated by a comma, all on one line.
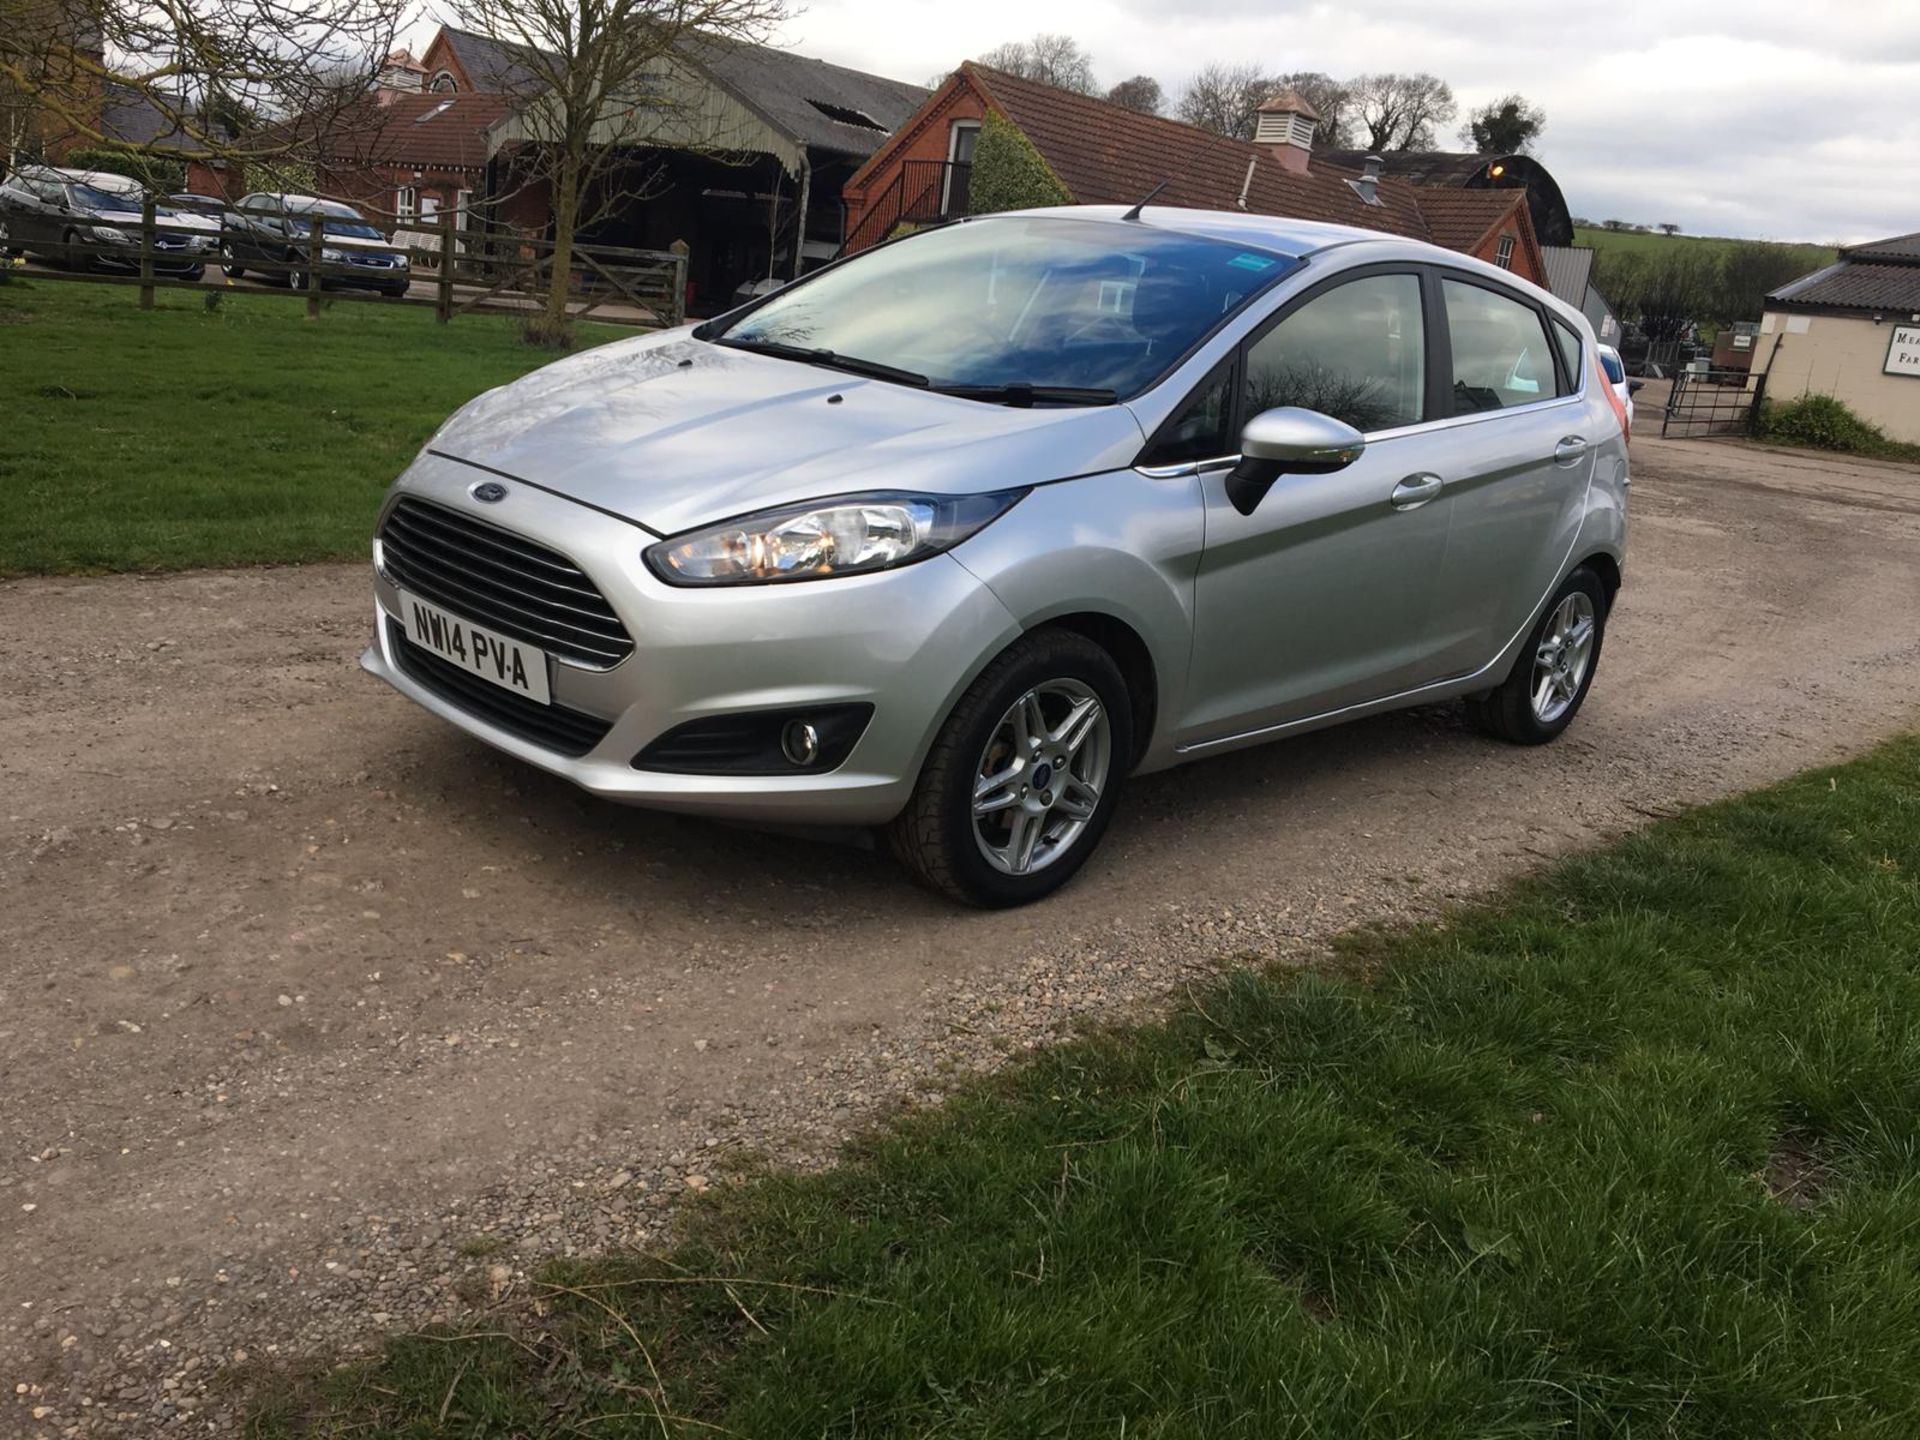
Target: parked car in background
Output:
[(953, 537), (271, 234), (90, 220), (1623, 387)]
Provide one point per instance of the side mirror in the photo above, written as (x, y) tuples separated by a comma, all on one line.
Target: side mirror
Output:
[(1286, 441), (1634, 387)]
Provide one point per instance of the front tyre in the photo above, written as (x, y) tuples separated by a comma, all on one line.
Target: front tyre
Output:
[(1551, 678), (230, 265), (1023, 776)]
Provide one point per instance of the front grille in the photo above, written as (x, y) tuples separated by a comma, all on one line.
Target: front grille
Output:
[(571, 732), (503, 581)]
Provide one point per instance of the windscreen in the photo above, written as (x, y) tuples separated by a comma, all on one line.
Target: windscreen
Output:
[(335, 219), (1040, 301)]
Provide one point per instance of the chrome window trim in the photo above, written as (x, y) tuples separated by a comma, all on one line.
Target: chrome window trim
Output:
[(1425, 427)]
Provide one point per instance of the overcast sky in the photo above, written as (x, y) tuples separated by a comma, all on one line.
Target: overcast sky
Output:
[(1782, 119)]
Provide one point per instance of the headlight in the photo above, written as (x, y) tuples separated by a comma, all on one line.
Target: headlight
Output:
[(847, 535), (108, 232), (334, 257), (400, 259)]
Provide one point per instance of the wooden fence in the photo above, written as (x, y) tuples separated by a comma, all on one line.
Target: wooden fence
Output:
[(457, 269)]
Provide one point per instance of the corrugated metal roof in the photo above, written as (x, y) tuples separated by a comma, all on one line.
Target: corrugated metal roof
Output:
[(822, 106), (1856, 285), (1899, 248), (1569, 271)]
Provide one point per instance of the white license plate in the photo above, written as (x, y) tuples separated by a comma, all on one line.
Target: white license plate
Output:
[(487, 653)]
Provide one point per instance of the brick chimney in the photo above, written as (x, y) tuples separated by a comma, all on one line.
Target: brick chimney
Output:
[(1285, 125)]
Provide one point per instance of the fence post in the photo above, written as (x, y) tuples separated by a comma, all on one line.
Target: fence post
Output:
[(315, 229), (680, 250), (146, 252), (443, 304)]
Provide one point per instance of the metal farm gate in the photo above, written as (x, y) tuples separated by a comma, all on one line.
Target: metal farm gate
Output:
[(1712, 402)]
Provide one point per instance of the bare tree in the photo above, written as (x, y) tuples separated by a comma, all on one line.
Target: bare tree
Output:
[(1332, 98), (1141, 92), (598, 78), (1225, 98), (1051, 59), (206, 70), (1507, 126), (1401, 112)]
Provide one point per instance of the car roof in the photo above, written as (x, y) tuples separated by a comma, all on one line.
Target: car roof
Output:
[(99, 179)]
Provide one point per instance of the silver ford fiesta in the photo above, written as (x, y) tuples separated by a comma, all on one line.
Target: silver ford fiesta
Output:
[(953, 537)]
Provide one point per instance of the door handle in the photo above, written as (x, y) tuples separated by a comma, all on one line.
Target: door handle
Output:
[(1415, 491), (1569, 449)]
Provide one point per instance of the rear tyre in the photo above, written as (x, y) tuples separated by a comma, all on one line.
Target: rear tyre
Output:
[(230, 265), (1023, 776), (73, 253), (1555, 670)]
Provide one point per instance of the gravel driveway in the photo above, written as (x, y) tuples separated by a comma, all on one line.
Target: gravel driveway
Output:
[(317, 1018)]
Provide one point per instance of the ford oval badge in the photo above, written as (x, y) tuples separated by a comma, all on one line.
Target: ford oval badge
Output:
[(491, 492)]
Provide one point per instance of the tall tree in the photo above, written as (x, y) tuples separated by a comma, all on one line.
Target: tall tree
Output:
[(1225, 98), (1331, 97), (193, 65), (1140, 92), (1507, 126), (1051, 59), (598, 79), (1397, 111)]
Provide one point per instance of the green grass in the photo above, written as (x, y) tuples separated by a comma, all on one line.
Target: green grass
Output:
[(1634, 1151), (1813, 257), (248, 435)]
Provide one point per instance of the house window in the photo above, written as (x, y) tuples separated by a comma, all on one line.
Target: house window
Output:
[(442, 83), (1503, 257), (406, 203), (961, 139)]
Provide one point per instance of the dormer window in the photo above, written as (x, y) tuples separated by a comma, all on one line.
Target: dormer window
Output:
[(442, 83)]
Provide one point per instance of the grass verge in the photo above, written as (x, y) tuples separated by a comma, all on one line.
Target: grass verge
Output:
[(1633, 1151), (180, 437)]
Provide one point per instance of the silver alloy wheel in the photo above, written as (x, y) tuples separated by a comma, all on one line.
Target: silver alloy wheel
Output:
[(1038, 782), (1560, 663)]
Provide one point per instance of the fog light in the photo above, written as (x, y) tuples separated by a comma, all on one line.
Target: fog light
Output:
[(800, 742)]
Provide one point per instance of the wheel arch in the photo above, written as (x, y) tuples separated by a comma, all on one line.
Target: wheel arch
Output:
[(1603, 564), (1131, 653)]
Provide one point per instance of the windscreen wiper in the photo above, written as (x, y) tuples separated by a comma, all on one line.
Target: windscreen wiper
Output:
[(832, 360), (1025, 396)]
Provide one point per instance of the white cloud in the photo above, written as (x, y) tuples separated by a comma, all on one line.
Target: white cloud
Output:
[(1779, 118)]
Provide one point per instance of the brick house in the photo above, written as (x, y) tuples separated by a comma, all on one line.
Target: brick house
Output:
[(1104, 154), (404, 159)]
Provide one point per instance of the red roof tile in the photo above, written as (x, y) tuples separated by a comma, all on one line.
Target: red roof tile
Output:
[(437, 131), (1461, 219), (1106, 154)]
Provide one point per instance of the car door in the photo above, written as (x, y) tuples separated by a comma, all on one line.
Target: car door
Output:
[(18, 210), (1517, 451), (1321, 598)]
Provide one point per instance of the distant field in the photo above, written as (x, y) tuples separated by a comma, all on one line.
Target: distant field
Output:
[(1814, 256)]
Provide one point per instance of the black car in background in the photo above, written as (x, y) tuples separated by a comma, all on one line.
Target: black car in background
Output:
[(90, 220), (271, 234)]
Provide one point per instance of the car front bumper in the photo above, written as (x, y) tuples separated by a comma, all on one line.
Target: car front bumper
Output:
[(906, 641)]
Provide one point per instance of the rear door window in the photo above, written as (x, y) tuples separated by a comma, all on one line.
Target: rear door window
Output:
[(1501, 354), (1570, 351)]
